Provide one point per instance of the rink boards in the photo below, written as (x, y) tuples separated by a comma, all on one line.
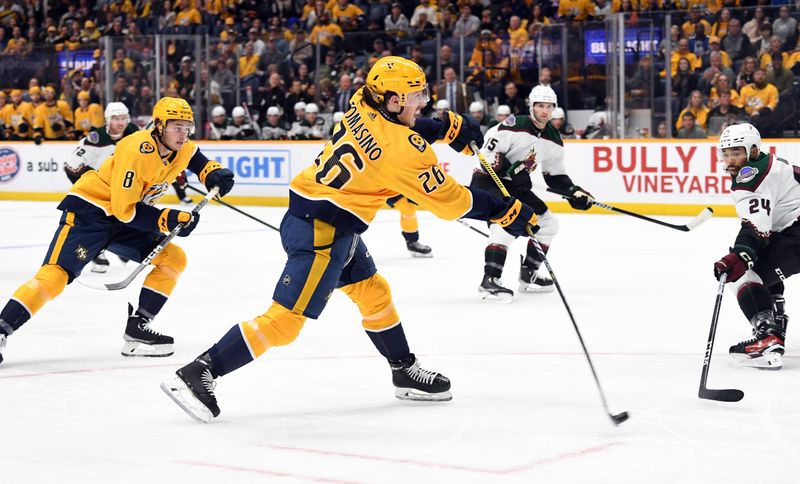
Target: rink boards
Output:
[(649, 176)]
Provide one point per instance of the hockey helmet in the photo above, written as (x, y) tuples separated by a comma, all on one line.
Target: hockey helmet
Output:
[(273, 111), (116, 109), (503, 110), (476, 107), (558, 113), (744, 135), (171, 108), (83, 95), (338, 116), (217, 111), (299, 105), (312, 108), (238, 112), (393, 74), (442, 104), (542, 94)]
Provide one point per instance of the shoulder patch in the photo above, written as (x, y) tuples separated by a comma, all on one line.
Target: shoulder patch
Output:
[(93, 137), (510, 120), (746, 174), (146, 147), (418, 142)]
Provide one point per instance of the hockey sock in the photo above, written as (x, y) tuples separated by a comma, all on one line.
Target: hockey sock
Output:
[(12, 317), (753, 299), (532, 257), (391, 342), (150, 302), (230, 352), (495, 257), (411, 236)]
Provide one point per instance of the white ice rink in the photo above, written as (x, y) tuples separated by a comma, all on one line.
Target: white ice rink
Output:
[(525, 408)]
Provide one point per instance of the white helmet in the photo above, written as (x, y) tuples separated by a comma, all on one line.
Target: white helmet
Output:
[(116, 109), (338, 116), (475, 107), (299, 105), (503, 110), (744, 135), (542, 94), (217, 111), (442, 104), (273, 111), (311, 108), (558, 113), (238, 112)]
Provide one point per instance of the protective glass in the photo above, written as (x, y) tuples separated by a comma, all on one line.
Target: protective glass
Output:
[(188, 130), (422, 96)]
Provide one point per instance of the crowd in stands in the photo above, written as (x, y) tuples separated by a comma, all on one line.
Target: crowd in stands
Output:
[(261, 79)]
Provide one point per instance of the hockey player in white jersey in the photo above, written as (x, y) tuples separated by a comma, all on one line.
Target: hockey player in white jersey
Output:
[(516, 146), (766, 251), (93, 150)]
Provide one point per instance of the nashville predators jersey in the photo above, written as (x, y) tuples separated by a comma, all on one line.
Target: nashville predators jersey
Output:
[(133, 179), (53, 120), (369, 159), (91, 118), (18, 119)]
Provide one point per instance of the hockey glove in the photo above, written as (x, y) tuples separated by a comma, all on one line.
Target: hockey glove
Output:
[(580, 199), (170, 219), (459, 131), (222, 178), (521, 180), (734, 264), (516, 218), (181, 180)]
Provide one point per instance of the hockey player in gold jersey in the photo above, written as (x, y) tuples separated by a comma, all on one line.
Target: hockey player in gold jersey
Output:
[(53, 119), (113, 208), (17, 118), (373, 155)]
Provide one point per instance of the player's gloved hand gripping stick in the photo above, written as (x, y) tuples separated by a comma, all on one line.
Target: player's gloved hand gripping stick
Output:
[(153, 253), (618, 418)]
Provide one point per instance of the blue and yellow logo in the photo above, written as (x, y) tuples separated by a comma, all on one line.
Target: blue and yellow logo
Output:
[(146, 147), (418, 142)]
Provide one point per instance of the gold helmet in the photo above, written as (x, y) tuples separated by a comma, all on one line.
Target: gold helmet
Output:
[(395, 74), (168, 108)]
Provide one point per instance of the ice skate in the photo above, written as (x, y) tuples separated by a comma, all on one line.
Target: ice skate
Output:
[(412, 382), (765, 350), (141, 340), (2, 345), (531, 281), (491, 290), (419, 250), (192, 388), (100, 263)]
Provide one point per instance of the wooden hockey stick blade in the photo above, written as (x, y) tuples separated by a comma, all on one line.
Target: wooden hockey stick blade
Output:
[(728, 395)]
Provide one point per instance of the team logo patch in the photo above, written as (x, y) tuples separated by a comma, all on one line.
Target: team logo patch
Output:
[(287, 279), (510, 120), (418, 142), (9, 164), (81, 253), (146, 147), (93, 137), (372, 116), (746, 174)]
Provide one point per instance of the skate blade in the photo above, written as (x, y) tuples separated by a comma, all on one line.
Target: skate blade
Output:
[(420, 255), (770, 361), (184, 398), (535, 288), (495, 298), (99, 269), (137, 349), (420, 396)]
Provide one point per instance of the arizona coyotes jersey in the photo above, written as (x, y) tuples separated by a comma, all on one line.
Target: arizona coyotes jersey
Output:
[(94, 148), (53, 120), (369, 159), (19, 119), (767, 194), (520, 142), (134, 178), (85, 121)]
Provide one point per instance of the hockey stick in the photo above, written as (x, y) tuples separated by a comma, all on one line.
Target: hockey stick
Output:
[(201, 192), (465, 224), (618, 418), (153, 253), (704, 215), (729, 395), (252, 123)]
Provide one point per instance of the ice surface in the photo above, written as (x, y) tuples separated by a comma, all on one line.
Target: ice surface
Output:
[(525, 409)]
